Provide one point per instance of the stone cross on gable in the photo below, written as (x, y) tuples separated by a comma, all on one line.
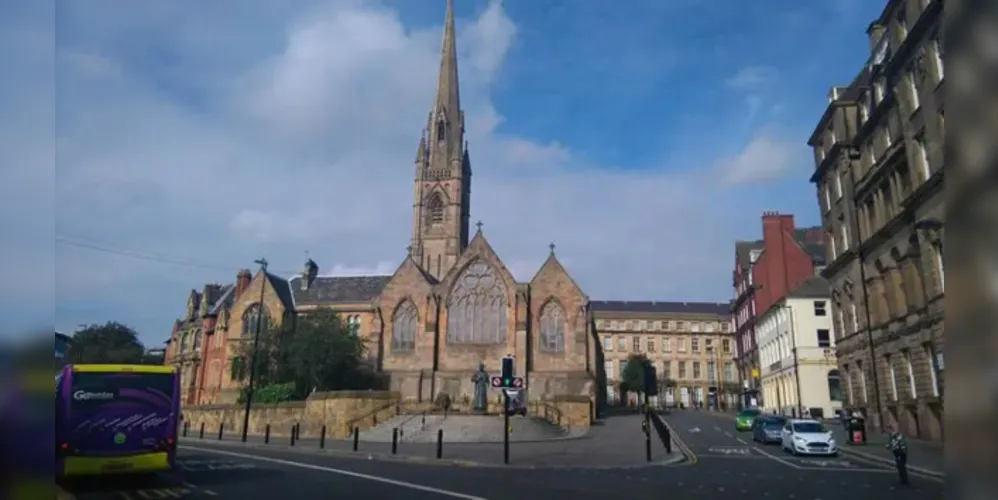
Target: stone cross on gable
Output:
[(479, 226), (551, 246)]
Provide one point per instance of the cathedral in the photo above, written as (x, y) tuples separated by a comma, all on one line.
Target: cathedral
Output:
[(450, 305)]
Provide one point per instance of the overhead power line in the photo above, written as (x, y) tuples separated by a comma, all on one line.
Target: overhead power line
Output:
[(96, 246)]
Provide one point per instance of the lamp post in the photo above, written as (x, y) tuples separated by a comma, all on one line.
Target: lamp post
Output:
[(256, 341)]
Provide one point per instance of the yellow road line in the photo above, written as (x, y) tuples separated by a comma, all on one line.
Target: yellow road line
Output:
[(690, 456)]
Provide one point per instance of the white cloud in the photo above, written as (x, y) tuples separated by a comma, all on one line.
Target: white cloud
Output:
[(295, 128), (765, 157), (753, 78)]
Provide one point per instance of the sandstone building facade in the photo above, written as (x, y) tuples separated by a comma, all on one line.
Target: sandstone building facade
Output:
[(449, 306), (879, 176), (691, 344)]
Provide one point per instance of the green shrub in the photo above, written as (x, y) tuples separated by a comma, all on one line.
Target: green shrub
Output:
[(273, 393)]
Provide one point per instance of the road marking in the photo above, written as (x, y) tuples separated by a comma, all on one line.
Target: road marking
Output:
[(691, 458), (342, 472), (730, 450), (742, 441), (695, 430), (778, 459), (887, 464), (726, 433)]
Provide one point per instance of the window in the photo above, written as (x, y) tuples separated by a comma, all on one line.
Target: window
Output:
[(696, 370), (666, 370), (664, 325), (838, 186), (695, 344), (435, 209), (820, 308), (681, 345), (864, 108), (840, 325), (552, 328), (651, 345), (694, 326), (933, 377), (910, 371), (834, 386), (606, 324), (353, 324), (729, 372), (712, 371), (938, 250), (892, 375), (725, 326), (636, 344), (404, 322), (922, 157), (726, 346), (937, 57), (855, 317), (824, 339), (708, 327), (828, 197), (666, 345), (680, 326), (608, 368), (621, 344), (910, 78), (623, 366), (845, 233), (682, 370), (608, 343), (878, 91), (477, 308), (862, 381), (631, 325), (441, 130), (254, 317)]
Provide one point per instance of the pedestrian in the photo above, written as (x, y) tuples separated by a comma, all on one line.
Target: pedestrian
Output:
[(896, 443)]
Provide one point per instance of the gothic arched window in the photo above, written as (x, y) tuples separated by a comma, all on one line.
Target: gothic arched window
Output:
[(435, 209), (404, 322), (254, 315), (476, 309), (552, 328), (197, 339)]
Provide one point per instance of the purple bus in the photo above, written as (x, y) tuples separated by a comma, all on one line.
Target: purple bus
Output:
[(116, 419)]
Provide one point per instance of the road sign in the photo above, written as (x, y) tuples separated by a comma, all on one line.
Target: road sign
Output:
[(518, 382), (496, 382)]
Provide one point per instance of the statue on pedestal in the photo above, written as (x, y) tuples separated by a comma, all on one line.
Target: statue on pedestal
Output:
[(481, 380)]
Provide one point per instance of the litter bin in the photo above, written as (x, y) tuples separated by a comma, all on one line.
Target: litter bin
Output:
[(857, 430)]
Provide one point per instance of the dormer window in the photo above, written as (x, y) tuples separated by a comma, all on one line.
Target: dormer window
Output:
[(436, 210)]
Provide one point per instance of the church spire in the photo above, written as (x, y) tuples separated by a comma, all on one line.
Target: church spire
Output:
[(448, 95)]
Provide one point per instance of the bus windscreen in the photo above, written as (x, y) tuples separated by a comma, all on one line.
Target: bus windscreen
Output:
[(121, 413)]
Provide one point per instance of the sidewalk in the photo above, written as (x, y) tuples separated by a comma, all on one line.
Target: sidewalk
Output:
[(617, 443), (923, 456)]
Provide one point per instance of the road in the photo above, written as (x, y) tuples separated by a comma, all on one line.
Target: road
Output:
[(211, 471)]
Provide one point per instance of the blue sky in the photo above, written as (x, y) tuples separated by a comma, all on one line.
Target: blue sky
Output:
[(642, 137)]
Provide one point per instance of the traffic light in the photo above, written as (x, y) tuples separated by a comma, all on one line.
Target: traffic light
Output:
[(508, 371)]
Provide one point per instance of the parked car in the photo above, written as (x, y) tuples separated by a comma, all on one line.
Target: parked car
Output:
[(743, 421), (807, 437), (767, 429)]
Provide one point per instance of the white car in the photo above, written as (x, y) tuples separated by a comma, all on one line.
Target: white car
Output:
[(807, 437)]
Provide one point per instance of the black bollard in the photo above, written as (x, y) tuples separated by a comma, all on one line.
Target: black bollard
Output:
[(221, 427), (322, 437), (423, 421), (440, 443), (505, 428), (293, 436), (648, 435), (395, 440), (266, 434), (356, 438), (201, 433), (298, 431), (186, 424)]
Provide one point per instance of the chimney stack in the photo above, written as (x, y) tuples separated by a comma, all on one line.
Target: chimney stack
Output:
[(243, 279)]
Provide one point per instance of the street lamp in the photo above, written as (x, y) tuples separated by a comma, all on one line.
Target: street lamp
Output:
[(256, 341)]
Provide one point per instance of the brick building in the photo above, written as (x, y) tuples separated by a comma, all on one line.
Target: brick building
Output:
[(765, 272), (449, 306), (879, 176)]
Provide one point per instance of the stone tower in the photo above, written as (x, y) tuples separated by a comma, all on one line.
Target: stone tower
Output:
[(442, 195)]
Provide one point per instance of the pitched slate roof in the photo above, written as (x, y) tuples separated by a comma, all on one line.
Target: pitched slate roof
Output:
[(282, 289), (814, 287), (224, 301), (743, 250), (639, 306), (336, 289)]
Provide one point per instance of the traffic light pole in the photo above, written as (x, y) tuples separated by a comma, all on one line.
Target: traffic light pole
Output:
[(505, 428)]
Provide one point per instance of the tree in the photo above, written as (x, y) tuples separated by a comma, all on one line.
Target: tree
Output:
[(634, 372), (664, 384), (111, 343), (316, 352)]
